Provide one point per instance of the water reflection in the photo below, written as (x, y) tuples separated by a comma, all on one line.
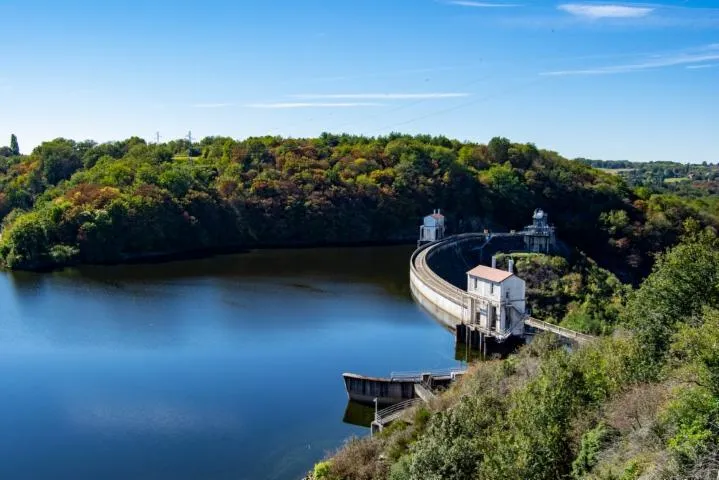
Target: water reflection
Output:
[(224, 367), (358, 414)]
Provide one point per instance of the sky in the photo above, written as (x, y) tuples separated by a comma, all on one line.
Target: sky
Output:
[(607, 80)]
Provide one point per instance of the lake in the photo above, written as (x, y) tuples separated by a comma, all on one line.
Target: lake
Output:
[(226, 367)]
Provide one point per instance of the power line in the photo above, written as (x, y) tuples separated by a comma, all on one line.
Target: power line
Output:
[(411, 104), (380, 114), (463, 105)]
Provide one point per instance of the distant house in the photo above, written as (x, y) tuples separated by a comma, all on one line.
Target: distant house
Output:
[(432, 228), (498, 299), (539, 236)]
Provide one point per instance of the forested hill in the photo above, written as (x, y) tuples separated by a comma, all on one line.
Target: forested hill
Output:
[(686, 179), (70, 202)]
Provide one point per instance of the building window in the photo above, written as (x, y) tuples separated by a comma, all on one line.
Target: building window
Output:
[(491, 289), (475, 284)]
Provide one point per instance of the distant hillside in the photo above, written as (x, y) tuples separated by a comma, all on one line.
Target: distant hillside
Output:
[(694, 180), (72, 202)]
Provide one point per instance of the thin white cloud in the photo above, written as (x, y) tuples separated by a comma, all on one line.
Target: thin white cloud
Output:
[(313, 105), (378, 96), (706, 65), (467, 3), (605, 11), (212, 105), (384, 74), (619, 14), (695, 59)]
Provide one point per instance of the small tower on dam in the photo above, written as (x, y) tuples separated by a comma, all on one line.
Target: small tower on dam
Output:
[(432, 228), (539, 236), (497, 300)]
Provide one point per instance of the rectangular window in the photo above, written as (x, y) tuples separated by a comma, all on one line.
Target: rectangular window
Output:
[(491, 289), (475, 284)]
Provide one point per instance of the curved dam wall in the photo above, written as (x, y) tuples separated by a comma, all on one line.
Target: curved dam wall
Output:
[(438, 278), (451, 261)]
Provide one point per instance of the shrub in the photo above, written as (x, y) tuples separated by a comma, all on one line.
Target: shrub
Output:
[(592, 443), (322, 471)]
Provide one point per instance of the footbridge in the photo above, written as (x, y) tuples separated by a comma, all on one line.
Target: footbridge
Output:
[(452, 305)]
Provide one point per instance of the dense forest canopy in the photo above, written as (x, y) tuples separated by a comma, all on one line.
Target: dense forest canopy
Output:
[(71, 201)]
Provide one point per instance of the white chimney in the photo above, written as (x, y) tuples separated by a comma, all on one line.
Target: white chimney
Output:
[(494, 262), (511, 266)]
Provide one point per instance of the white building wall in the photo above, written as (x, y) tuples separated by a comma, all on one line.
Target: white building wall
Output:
[(430, 221), (484, 288), (503, 296)]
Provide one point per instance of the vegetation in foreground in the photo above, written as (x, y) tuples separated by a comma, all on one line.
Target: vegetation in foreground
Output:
[(70, 202), (641, 403)]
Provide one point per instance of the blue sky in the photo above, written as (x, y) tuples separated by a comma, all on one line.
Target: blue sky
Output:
[(596, 79)]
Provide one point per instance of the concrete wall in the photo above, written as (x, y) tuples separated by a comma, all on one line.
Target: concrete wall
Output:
[(444, 310), (451, 262), (387, 392)]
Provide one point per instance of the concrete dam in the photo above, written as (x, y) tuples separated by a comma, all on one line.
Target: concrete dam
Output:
[(438, 281), (483, 305)]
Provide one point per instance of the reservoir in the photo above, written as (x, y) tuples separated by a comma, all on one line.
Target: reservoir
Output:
[(221, 368)]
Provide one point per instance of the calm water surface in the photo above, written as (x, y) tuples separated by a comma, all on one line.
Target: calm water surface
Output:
[(221, 368)]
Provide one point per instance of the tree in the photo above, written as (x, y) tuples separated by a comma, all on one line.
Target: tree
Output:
[(59, 159), (684, 281), (14, 145), (697, 344), (499, 149)]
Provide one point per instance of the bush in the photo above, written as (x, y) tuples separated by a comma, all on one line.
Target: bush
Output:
[(322, 471), (592, 443), (692, 420), (64, 254)]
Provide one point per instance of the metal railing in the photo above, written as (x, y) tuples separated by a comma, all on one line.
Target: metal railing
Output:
[(394, 411), (561, 331), (417, 375)]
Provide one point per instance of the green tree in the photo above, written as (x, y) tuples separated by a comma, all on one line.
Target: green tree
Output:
[(59, 159), (14, 145), (499, 149), (684, 281), (697, 346)]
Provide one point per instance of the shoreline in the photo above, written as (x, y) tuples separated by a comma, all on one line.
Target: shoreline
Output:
[(208, 252)]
